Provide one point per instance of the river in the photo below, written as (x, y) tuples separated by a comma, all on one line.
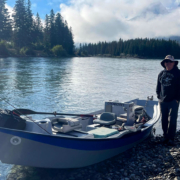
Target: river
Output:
[(74, 85)]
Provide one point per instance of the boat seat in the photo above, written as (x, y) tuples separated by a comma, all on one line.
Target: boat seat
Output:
[(65, 124), (123, 115), (106, 118), (121, 119), (137, 109)]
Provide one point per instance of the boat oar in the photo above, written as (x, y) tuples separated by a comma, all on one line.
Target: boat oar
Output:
[(28, 111)]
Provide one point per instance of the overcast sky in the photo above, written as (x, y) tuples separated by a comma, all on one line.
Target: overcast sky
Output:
[(108, 20)]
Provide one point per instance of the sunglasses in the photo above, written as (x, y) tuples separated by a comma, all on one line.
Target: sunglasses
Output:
[(168, 61)]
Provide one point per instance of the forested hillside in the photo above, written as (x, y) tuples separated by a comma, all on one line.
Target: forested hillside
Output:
[(146, 48)]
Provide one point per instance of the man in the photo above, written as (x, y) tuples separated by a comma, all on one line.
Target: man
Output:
[(168, 93)]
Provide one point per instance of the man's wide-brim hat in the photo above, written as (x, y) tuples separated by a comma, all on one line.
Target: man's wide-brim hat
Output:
[(171, 58)]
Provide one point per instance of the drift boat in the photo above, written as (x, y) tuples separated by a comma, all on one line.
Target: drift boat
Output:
[(77, 140)]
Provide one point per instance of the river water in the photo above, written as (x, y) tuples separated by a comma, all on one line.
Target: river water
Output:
[(74, 85)]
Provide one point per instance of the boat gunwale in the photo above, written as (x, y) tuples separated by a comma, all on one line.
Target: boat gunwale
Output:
[(71, 138), (154, 121)]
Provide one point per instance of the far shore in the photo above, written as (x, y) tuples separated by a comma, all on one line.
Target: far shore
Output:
[(11, 52), (104, 56)]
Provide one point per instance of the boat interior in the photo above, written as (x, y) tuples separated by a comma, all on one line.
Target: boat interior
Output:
[(114, 121)]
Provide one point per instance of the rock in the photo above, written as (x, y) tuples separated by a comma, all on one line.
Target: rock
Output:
[(159, 169), (177, 178), (132, 176)]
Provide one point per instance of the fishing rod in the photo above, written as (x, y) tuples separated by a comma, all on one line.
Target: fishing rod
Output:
[(25, 115)]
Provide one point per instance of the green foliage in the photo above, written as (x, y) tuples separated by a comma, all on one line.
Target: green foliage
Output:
[(147, 48), (38, 46), (5, 22), (29, 32), (37, 32), (57, 32), (48, 51), (3, 49), (27, 51), (59, 51), (9, 45), (20, 24)]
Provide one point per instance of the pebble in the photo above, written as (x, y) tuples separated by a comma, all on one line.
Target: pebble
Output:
[(147, 160)]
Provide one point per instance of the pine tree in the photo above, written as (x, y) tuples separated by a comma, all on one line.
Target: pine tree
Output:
[(65, 35), (5, 22), (38, 30), (149, 48), (70, 42), (20, 24), (29, 23), (52, 29), (47, 32), (59, 29)]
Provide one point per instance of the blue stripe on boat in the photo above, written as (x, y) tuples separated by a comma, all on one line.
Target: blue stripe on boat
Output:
[(79, 144)]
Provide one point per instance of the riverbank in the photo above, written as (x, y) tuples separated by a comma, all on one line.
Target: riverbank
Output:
[(147, 160), (36, 53)]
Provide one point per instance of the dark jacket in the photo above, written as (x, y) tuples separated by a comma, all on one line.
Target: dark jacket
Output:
[(168, 85)]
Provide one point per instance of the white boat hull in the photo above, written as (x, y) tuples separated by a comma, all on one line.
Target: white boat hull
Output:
[(52, 151)]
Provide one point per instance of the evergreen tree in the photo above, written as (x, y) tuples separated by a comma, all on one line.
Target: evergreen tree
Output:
[(65, 35), (20, 24), (52, 29), (29, 23), (47, 32), (70, 42), (59, 29), (148, 48), (38, 30), (5, 22)]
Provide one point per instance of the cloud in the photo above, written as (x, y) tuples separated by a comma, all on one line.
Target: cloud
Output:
[(107, 20), (10, 9)]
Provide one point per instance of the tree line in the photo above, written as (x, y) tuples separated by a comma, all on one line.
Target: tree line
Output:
[(149, 48), (23, 31)]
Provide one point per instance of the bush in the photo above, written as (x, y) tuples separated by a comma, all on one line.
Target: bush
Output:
[(3, 49), (59, 51), (9, 45), (38, 46), (47, 51), (78, 52), (27, 51)]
